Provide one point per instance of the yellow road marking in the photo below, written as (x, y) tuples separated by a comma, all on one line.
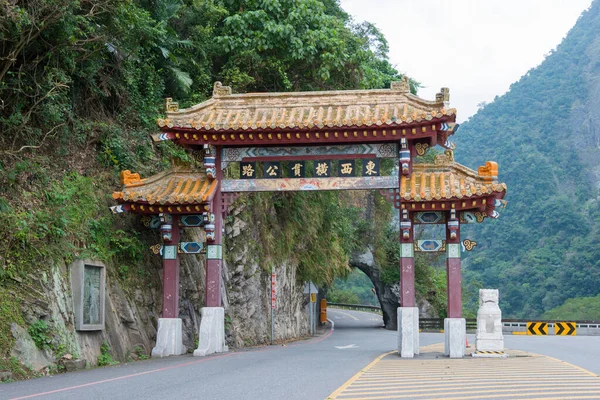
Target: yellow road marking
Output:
[(573, 366), (427, 389), (477, 378), (356, 376), (478, 396)]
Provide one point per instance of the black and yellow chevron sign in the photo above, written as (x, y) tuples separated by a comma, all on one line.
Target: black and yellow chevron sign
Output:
[(537, 328), (565, 328)]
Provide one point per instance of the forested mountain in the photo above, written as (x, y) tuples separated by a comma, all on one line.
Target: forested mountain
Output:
[(81, 86), (545, 135)]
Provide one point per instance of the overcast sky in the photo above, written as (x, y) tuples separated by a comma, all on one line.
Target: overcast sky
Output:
[(477, 48)]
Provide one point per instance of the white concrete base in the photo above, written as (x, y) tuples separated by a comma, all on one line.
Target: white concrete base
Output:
[(408, 331), (212, 332), (489, 344), (484, 354), (455, 335), (169, 340), (416, 331)]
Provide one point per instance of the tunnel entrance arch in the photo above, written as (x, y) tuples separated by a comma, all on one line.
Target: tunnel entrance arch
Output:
[(329, 129)]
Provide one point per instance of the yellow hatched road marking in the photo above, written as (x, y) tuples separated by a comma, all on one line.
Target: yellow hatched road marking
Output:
[(356, 376), (389, 376), (451, 381), (445, 385), (575, 394), (427, 390)]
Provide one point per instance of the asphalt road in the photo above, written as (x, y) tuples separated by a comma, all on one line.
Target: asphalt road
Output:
[(307, 369)]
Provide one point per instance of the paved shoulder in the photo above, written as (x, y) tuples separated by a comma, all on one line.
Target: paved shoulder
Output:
[(434, 376)]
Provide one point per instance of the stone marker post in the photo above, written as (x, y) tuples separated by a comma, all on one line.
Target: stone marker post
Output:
[(489, 322)]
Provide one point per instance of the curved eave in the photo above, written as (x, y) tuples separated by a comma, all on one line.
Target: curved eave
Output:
[(190, 125), (145, 208), (175, 187)]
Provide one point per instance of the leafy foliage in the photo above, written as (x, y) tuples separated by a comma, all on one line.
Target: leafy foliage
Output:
[(105, 358), (544, 248), (356, 288), (581, 308), (40, 332), (82, 83)]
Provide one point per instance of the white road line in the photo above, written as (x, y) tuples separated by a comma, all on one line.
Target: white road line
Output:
[(348, 315)]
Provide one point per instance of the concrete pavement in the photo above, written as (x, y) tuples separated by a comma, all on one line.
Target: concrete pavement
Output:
[(432, 376), (313, 369)]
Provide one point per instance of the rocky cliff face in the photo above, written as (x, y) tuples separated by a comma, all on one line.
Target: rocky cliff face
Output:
[(131, 313), (387, 294)]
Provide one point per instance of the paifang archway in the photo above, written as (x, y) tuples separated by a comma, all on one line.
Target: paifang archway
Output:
[(325, 127)]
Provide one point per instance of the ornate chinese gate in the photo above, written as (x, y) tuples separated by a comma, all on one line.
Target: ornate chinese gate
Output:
[(310, 141)]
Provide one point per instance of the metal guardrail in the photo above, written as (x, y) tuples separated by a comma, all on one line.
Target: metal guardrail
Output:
[(584, 327), (357, 307), (437, 324)]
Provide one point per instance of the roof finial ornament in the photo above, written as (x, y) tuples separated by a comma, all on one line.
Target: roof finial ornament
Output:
[(402, 86), (443, 96), (170, 105), (220, 90), (444, 159)]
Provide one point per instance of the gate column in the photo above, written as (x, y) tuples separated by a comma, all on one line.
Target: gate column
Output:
[(169, 339), (211, 335), (455, 329), (408, 314)]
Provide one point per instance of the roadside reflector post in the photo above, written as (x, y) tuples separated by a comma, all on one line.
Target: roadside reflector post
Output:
[(311, 290), (323, 311)]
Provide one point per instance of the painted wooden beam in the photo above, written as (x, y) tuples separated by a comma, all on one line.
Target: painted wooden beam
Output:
[(309, 184), (192, 137), (380, 150)]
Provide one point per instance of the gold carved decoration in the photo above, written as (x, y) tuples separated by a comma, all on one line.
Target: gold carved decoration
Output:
[(170, 105), (480, 215), (469, 244), (443, 96), (402, 86), (145, 220), (421, 148), (220, 90), (127, 178), (198, 157), (156, 248), (444, 159), (489, 171)]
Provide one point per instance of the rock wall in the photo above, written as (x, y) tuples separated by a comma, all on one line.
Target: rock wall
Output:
[(387, 294), (131, 311), (248, 290)]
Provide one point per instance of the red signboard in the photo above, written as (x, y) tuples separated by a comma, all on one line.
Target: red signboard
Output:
[(273, 291)]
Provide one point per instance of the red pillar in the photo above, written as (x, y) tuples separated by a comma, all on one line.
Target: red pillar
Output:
[(214, 250), (407, 261), (454, 279), (170, 307)]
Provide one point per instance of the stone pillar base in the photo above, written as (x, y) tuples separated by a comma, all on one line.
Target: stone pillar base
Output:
[(212, 332), (169, 340), (408, 331), (489, 344), (455, 332)]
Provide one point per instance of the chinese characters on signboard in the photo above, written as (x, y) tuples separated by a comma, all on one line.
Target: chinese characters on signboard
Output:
[(321, 169), (247, 170)]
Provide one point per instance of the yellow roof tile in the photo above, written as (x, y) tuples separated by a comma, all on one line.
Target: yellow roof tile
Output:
[(340, 108), (177, 186), (429, 181)]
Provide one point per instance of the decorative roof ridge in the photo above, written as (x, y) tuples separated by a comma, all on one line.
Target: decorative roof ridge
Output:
[(448, 166), (174, 170), (391, 96)]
